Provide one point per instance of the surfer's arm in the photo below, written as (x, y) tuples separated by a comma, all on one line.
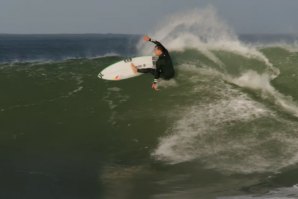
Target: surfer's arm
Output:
[(157, 43), (147, 38), (155, 81), (157, 73)]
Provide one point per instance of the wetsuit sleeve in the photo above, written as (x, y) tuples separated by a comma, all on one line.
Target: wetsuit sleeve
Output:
[(157, 74), (158, 44), (160, 65)]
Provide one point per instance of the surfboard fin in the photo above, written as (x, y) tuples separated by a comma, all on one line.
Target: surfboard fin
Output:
[(100, 75), (127, 60)]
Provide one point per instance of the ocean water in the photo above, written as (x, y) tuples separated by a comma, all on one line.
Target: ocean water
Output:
[(225, 128)]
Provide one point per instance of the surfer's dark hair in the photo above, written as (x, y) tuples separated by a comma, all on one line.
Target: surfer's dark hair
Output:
[(159, 48)]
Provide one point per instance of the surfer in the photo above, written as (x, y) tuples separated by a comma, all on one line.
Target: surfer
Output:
[(164, 66)]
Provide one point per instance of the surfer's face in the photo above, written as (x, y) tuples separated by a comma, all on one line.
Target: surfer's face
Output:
[(157, 51)]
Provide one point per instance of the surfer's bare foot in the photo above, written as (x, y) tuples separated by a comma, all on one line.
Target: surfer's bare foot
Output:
[(134, 68)]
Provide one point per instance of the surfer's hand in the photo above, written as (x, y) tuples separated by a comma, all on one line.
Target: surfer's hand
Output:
[(147, 38), (155, 86)]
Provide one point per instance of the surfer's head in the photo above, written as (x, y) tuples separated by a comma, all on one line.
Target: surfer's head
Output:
[(158, 50)]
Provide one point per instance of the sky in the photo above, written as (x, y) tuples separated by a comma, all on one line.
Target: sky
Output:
[(140, 16)]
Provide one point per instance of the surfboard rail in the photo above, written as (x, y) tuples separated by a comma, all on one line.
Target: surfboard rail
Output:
[(122, 69)]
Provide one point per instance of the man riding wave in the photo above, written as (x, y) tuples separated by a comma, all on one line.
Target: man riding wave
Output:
[(164, 66)]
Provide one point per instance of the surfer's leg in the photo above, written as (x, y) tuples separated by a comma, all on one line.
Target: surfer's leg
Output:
[(134, 68), (142, 70), (146, 70)]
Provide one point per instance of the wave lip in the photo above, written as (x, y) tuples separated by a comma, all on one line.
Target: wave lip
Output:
[(203, 30)]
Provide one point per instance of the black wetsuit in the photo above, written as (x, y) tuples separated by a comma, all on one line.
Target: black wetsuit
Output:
[(164, 65)]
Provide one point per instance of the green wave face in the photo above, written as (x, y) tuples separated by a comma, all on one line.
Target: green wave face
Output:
[(225, 115)]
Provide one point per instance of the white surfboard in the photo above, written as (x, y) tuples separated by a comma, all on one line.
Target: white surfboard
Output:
[(122, 70)]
